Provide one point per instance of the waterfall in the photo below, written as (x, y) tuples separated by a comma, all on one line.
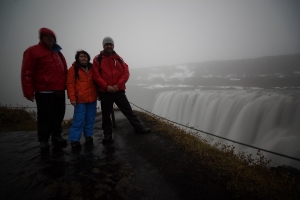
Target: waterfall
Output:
[(265, 119)]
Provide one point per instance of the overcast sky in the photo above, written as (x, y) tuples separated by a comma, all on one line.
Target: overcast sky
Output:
[(148, 33)]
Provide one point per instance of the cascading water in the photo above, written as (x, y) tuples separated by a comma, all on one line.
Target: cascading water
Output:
[(265, 119)]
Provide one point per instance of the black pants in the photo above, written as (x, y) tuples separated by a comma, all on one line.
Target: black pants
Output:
[(119, 98), (50, 114)]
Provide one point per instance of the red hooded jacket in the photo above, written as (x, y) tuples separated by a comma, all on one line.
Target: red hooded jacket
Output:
[(110, 72), (42, 70)]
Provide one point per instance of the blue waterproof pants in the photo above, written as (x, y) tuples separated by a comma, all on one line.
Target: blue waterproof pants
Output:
[(83, 121)]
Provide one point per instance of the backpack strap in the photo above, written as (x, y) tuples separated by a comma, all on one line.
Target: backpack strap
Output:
[(100, 59), (76, 71), (99, 62)]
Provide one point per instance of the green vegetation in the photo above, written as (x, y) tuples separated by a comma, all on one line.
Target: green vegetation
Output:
[(245, 176)]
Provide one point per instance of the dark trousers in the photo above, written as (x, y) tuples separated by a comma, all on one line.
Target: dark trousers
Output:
[(50, 114), (119, 98)]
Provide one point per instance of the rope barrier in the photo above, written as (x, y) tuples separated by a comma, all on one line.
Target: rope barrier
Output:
[(251, 146)]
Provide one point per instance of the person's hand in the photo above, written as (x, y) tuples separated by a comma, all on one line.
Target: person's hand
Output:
[(73, 103), (116, 88), (30, 98), (110, 89)]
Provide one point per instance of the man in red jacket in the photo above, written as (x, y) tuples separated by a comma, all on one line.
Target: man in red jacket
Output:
[(43, 77), (110, 72)]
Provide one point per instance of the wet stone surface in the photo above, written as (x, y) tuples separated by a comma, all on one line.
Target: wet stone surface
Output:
[(132, 167)]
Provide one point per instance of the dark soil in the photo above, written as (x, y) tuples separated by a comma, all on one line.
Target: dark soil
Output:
[(134, 166)]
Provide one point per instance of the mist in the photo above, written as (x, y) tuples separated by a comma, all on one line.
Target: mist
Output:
[(147, 33)]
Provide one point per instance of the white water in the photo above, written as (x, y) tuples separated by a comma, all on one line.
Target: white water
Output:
[(268, 120)]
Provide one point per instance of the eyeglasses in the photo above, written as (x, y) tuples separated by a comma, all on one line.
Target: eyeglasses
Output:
[(83, 56)]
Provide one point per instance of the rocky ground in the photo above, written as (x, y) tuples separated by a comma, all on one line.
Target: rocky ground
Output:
[(146, 166)]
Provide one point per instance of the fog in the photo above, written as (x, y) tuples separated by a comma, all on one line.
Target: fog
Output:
[(147, 33)]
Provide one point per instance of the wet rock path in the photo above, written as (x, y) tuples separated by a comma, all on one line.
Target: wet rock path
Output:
[(133, 167)]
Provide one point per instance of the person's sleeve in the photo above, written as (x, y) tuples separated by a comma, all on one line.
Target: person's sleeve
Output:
[(65, 64), (125, 76), (96, 74), (27, 73), (71, 84)]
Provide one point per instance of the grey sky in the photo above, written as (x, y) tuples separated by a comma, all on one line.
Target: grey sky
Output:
[(148, 33)]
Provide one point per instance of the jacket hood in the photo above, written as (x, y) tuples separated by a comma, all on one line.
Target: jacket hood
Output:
[(77, 64), (47, 31)]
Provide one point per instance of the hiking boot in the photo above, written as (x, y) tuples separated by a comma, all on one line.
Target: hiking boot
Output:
[(143, 130), (59, 141), (44, 145), (75, 145), (89, 140), (107, 138)]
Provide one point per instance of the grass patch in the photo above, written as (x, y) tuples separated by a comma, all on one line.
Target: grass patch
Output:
[(21, 119), (17, 119), (245, 176)]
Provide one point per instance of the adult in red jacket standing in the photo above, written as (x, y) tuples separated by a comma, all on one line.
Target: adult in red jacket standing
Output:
[(82, 93), (43, 77), (110, 72)]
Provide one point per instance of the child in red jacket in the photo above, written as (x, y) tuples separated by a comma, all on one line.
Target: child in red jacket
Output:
[(82, 93)]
